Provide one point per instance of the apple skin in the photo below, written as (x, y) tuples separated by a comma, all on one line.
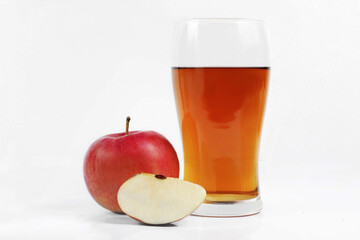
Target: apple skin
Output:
[(114, 158)]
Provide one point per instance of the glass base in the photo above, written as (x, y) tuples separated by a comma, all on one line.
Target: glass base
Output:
[(231, 209)]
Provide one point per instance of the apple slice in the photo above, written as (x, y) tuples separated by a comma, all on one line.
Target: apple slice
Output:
[(156, 199)]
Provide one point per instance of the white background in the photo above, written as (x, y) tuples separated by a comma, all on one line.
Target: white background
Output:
[(71, 71)]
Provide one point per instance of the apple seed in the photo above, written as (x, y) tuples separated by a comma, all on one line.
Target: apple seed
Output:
[(159, 176)]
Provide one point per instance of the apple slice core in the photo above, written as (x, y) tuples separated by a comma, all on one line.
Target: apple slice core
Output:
[(156, 199)]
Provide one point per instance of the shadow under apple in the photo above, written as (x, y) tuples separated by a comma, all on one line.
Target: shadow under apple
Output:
[(121, 218)]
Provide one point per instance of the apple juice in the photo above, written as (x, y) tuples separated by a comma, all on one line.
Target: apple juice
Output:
[(220, 112)]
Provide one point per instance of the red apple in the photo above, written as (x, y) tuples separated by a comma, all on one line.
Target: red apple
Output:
[(114, 158)]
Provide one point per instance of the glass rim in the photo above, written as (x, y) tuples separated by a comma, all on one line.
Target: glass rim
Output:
[(221, 20)]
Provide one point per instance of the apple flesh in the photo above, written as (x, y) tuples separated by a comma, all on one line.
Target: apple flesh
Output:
[(156, 199), (114, 158)]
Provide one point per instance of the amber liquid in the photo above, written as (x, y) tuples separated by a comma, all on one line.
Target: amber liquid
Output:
[(220, 112)]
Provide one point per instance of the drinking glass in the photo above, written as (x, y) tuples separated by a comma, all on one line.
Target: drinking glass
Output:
[(220, 71)]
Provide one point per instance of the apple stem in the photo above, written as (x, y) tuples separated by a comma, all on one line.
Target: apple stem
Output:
[(127, 125)]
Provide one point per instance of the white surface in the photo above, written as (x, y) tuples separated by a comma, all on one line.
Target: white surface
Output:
[(305, 201), (71, 71)]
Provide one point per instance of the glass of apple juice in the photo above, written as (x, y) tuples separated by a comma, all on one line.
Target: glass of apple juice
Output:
[(220, 70)]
